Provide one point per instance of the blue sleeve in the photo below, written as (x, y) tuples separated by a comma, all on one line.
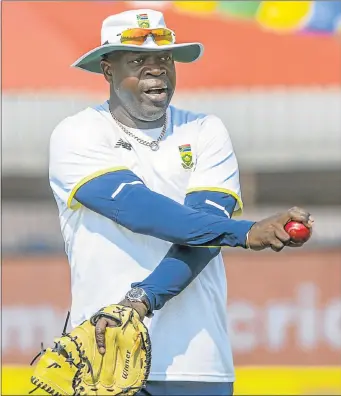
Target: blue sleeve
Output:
[(122, 197), (182, 264)]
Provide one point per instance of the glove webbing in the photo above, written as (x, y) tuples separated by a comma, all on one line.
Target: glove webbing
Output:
[(69, 359)]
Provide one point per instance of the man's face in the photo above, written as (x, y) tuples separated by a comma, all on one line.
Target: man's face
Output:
[(144, 82)]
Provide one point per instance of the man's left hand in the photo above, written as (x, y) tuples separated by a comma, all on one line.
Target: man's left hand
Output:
[(103, 322)]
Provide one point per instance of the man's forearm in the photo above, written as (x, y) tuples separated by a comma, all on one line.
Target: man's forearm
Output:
[(182, 264), (175, 272), (143, 211)]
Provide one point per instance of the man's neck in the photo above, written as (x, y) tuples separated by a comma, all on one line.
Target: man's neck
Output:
[(128, 120)]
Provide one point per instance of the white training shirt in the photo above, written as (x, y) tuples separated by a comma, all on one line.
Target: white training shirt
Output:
[(189, 334)]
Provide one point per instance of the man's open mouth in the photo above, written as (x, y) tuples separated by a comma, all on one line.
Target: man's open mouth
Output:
[(156, 90), (157, 94)]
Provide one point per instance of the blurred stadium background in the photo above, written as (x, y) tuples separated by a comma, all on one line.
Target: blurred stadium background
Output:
[(272, 72)]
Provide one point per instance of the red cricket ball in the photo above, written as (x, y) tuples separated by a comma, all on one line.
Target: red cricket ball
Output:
[(298, 232)]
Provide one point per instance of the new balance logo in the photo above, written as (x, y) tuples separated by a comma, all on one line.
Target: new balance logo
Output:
[(123, 144)]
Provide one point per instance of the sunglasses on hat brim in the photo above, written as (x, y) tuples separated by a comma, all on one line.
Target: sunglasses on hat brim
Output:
[(137, 36)]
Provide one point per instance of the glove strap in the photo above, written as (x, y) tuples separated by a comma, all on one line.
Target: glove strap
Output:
[(100, 314)]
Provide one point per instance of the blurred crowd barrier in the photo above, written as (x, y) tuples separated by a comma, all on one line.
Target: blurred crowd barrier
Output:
[(283, 310), (271, 72)]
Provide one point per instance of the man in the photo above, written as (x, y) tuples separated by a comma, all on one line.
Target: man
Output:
[(146, 193)]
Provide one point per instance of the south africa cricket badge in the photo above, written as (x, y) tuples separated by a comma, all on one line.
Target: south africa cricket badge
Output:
[(186, 156), (143, 21)]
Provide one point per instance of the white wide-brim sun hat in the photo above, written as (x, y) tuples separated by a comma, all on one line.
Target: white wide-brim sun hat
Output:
[(114, 25)]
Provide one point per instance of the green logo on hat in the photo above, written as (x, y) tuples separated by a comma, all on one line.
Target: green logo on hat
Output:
[(143, 21)]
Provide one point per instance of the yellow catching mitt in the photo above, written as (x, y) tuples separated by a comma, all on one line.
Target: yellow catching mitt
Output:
[(75, 367)]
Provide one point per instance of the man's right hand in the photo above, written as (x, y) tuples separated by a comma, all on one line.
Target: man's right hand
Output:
[(270, 232)]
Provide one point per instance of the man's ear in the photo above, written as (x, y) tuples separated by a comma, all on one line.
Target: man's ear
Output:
[(107, 71)]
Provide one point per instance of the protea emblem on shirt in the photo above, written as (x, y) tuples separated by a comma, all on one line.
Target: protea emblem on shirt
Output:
[(186, 156)]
